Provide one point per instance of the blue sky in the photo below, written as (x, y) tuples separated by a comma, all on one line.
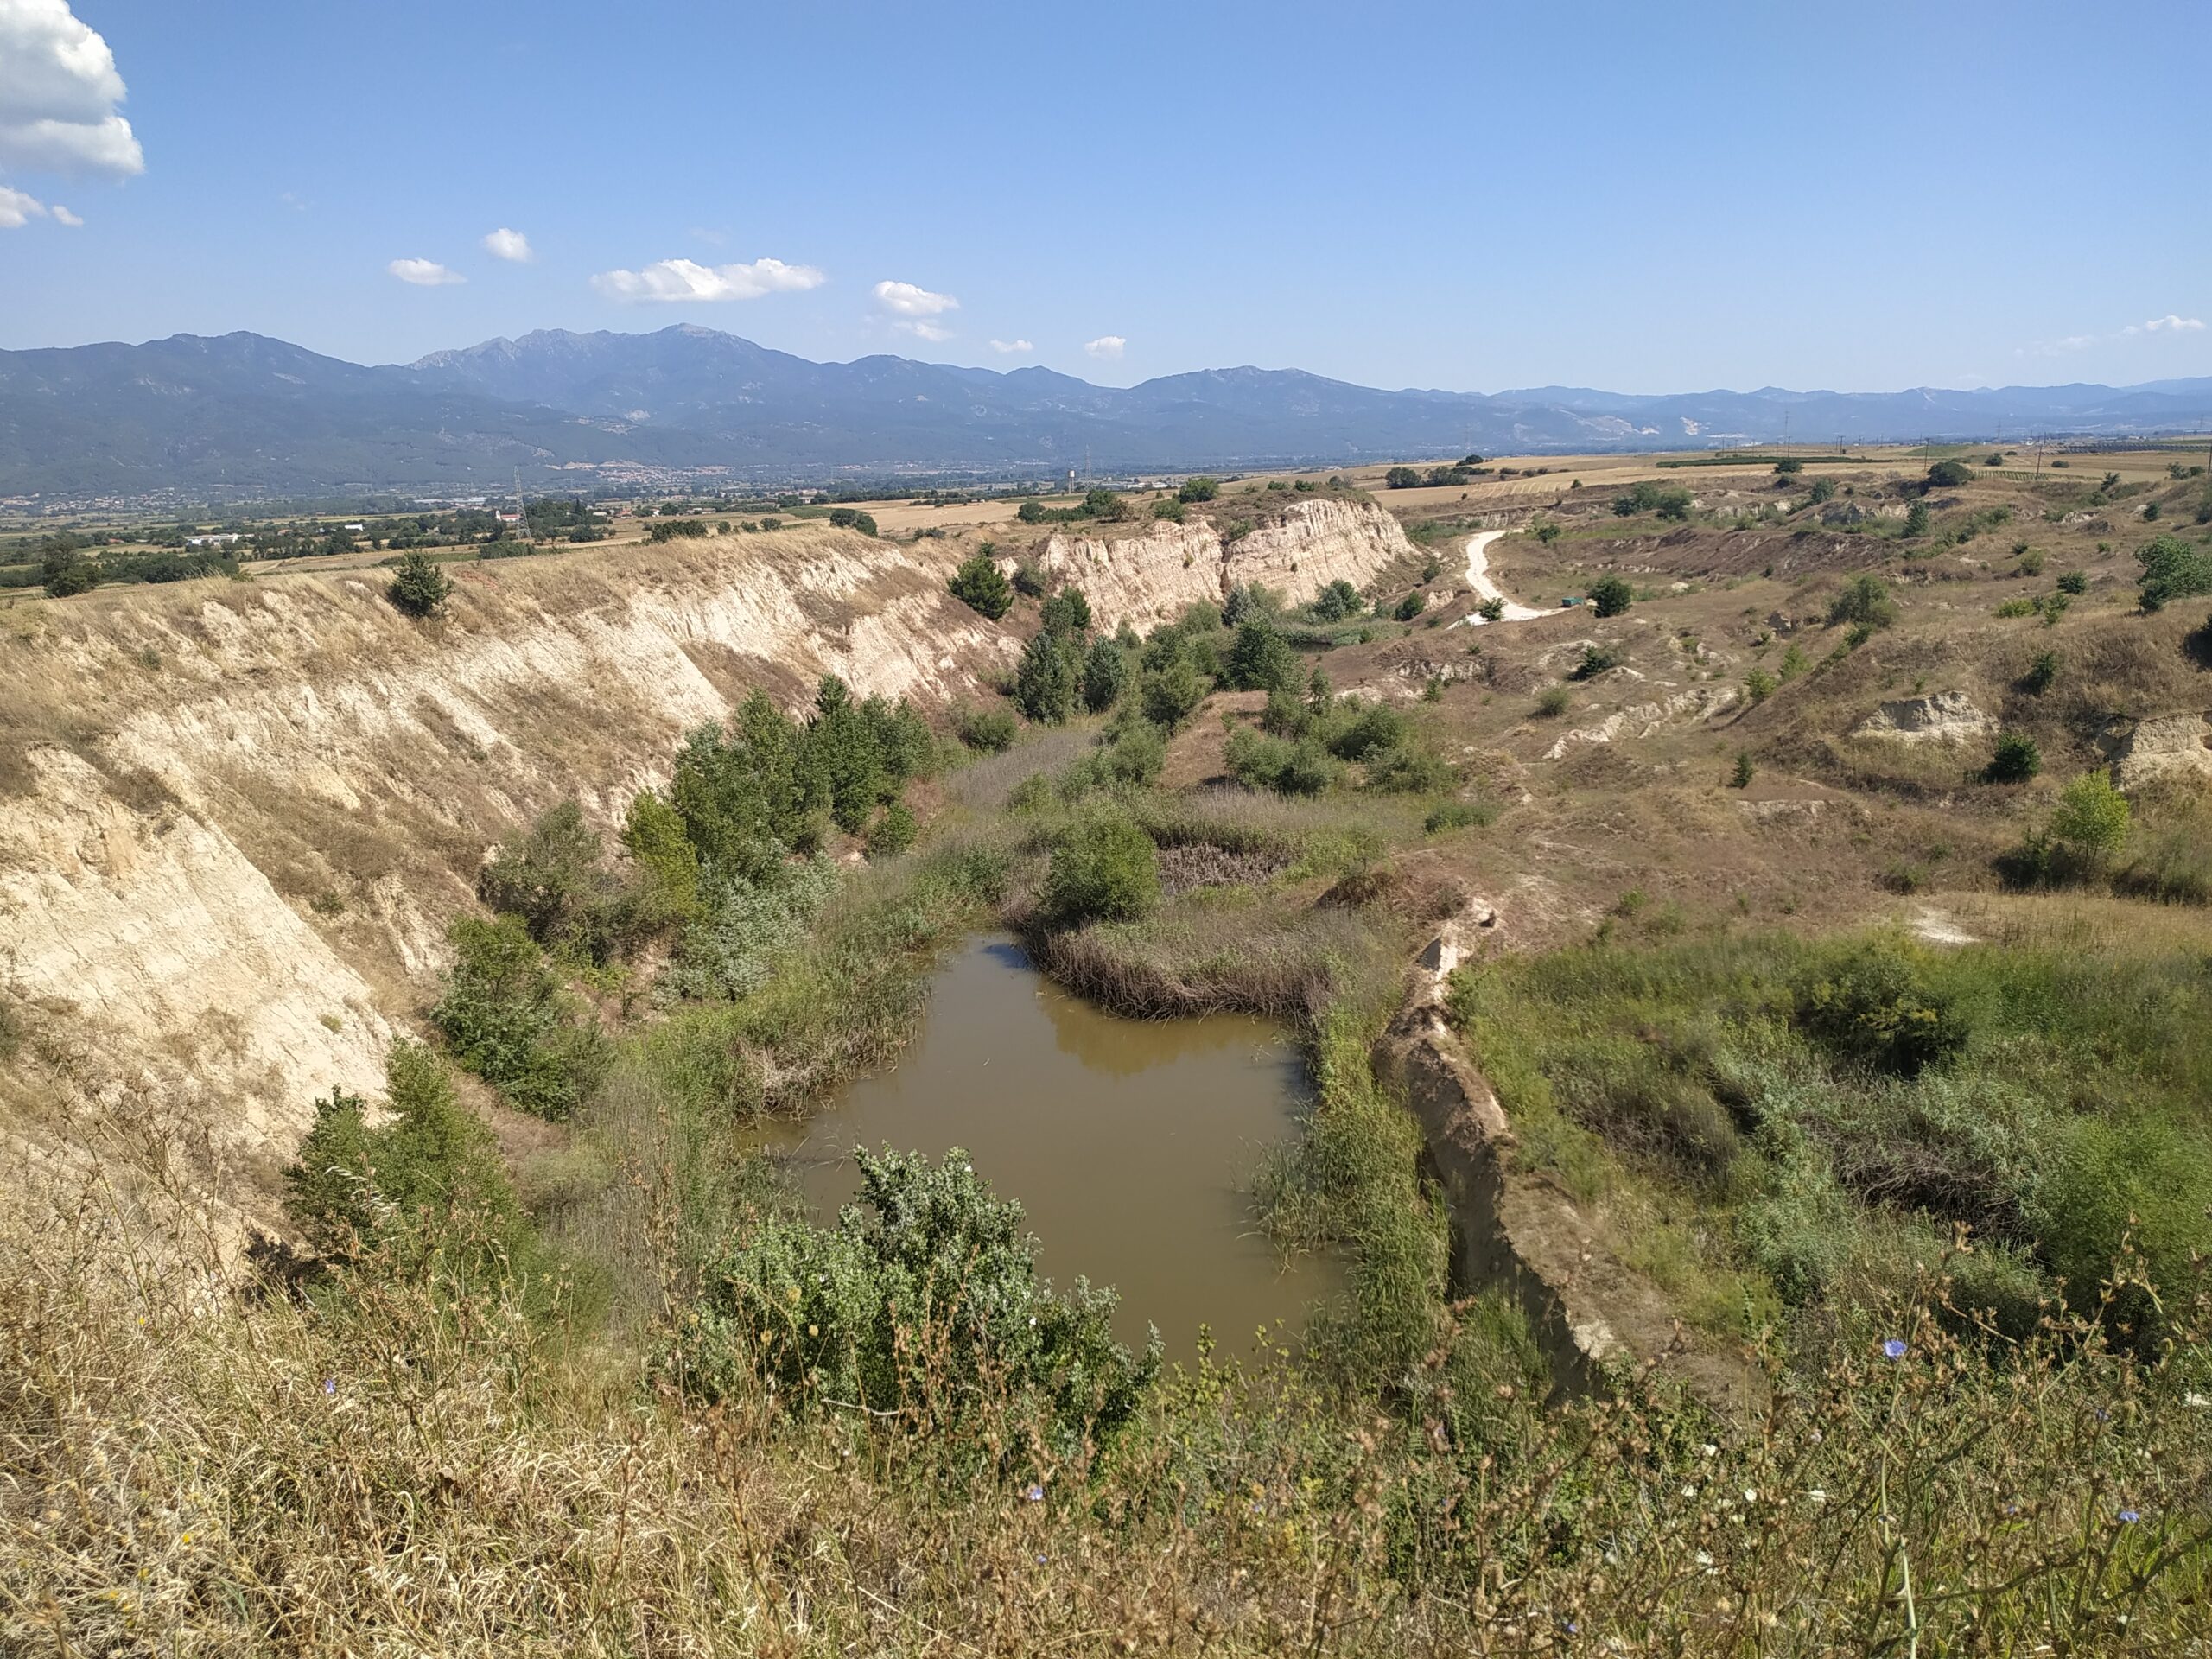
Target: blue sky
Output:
[(1640, 197)]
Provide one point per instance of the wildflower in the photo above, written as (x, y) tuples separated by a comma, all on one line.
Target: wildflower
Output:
[(1818, 1495), (1751, 1494), (1708, 1450), (2129, 1517), (2195, 1400), (1040, 1560), (1035, 1494), (330, 1385), (1894, 1348)]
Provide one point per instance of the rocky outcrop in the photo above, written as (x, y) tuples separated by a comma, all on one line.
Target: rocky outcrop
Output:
[(1591, 1313), (1155, 573), (1649, 719), (2169, 747), (1946, 717)]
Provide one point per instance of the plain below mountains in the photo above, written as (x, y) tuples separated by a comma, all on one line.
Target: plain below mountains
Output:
[(243, 416)]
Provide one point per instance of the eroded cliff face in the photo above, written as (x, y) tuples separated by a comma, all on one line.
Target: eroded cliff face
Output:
[(235, 818), (1151, 577)]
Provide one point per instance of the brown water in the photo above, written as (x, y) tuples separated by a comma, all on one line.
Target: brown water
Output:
[(1130, 1143)]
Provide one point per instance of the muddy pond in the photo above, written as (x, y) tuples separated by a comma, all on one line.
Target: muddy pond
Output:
[(1131, 1144)]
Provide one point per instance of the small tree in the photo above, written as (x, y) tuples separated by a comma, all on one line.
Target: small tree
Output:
[(1492, 609), (1865, 601), (2092, 818), (852, 519), (1067, 613), (1198, 489), (1105, 675), (1789, 467), (978, 585), (1917, 521), (1336, 601), (1045, 686), (1402, 478), (1411, 607), (1949, 475), (1610, 595), (1741, 779), (1261, 660), (2015, 761), (418, 586)]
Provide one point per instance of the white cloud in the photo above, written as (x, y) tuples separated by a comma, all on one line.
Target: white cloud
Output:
[(17, 209), (2173, 324), (905, 300), (511, 246), (914, 310), (63, 216), (675, 280), (58, 92), (1012, 347), (424, 273), (1106, 345)]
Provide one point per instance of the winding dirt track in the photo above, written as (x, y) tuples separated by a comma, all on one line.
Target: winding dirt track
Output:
[(1478, 579)]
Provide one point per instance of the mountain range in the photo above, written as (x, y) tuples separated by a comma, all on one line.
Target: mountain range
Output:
[(244, 415)]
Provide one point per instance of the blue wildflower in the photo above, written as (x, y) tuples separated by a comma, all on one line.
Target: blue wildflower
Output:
[(2129, 1517), (1035, 1494), (1894, 1348), (330, 1385)]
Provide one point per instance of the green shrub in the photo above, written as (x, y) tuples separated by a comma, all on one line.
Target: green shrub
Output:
[(426, 1181), (746, 925), (2172, 570), (1336, 602), (1406, 768), (1596, 660), (1759, 685), (1611, 596), (419, 587), (1411, 607), (893, 832), (1918, 521), (988, 730), (1103, 868), (1870, 1003), (2015, 761), (553, 878), (1171, 509), (1554, 700), (978, 584), (1949, 475), (923, 1306), (1745, 771), (1864, 601), (1171, 696), (663, 531), (510, 1020), (1198, 489), (1458, 815), (1299, 766), (1360, 728), (2042, 675), (852, 519), (2075, 582)]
